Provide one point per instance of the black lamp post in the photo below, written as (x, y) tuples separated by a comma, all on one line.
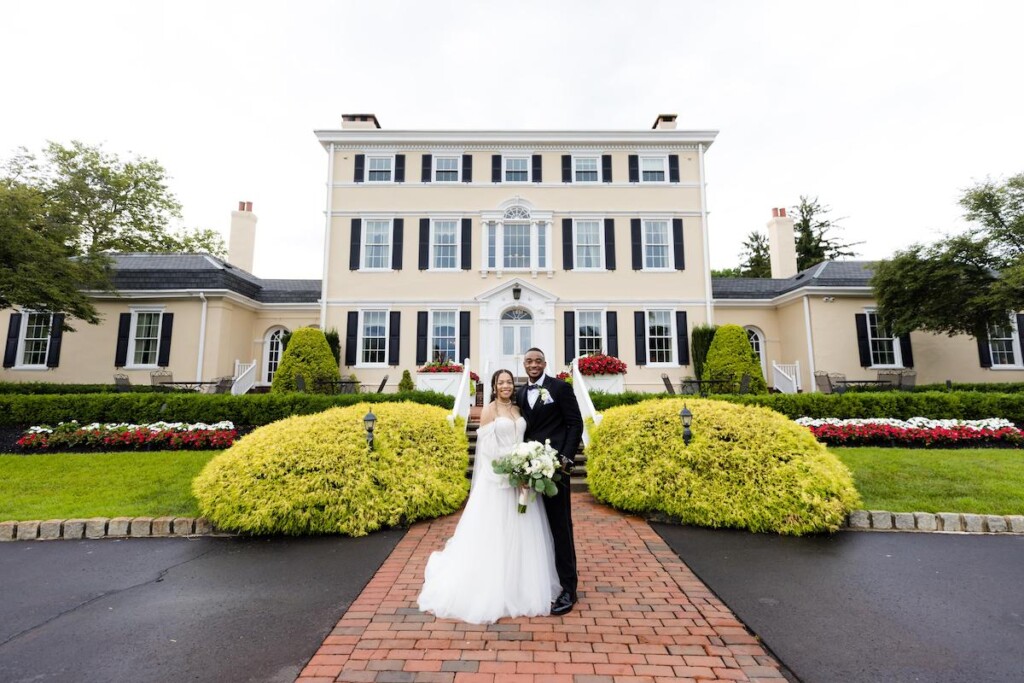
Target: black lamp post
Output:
[(517, 291), (687, 417), (369, 421)]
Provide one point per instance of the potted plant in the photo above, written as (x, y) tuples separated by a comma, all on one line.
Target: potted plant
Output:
[(442, 376), (603, 373)]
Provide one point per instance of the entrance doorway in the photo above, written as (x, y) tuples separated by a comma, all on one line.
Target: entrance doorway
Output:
[(516, 339)]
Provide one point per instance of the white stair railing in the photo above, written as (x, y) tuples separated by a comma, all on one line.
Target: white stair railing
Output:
[(461, 407), (786, 377), (587, 410), (245, 378)]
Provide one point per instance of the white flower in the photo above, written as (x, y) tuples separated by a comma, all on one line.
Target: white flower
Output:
[(545, 396), (912, 423)]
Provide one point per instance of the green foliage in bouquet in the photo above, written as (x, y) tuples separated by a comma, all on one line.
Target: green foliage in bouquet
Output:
[(747, 467), (314, 474), (729, 358), (308, 354)]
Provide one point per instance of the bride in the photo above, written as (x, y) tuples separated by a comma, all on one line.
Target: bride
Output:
[(499, 563)]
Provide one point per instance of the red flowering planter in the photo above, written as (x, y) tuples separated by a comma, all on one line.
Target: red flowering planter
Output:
[(138, 439), (913, 437)]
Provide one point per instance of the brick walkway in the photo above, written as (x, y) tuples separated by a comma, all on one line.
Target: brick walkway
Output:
[(643, 617)]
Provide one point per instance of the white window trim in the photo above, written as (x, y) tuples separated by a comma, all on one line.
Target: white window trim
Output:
[(363, 244), (266, 353), (604, 328), (897, 350), (1015, 340), (643, 244), (600, 172), (458, 245), (673, 338), (504, 169), (640, 168), (366, 170), (458, 168), (22, 334), (763, 353), (130, 360), (600, 240), (430, 331), (360, 336), (500, 246)]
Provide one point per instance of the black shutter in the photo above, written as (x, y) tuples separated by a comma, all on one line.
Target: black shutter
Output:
[(984, 352), (681, 338), (566, 168), (613, 334), (351, 338), (609, 244), (906, 352), (606, 168), (353, 253), (467, 243), (394, 336), (673, 168), (570, 336), (398, 243), (166, 328), (424, 243), (567, 244), (56, 336), (677, 243), (360, 165), (537, 170), (421, 337), (634, 168), (399, 168), (13, 332), (467, 168), (863, 345), (640, 336), (638, 252), (427, 168), (495, 168), (463, 336), (124, 330)]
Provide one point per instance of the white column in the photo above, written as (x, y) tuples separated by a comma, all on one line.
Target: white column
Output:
[(499, 238)]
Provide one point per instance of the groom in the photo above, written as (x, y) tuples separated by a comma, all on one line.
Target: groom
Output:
[(551, 413)]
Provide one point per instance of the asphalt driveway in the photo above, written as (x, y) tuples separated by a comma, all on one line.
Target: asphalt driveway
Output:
[(167, 609)]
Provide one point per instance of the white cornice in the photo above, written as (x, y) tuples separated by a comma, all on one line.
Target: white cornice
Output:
[(194, 293), (486, 184), (539, 139), (489, 214), (796, 295)]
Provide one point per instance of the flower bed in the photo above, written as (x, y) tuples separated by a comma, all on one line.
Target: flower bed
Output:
[(600, 364), (916, 432), (128, 437)]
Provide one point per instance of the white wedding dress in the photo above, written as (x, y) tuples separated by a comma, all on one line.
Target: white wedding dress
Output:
[(500, 563)]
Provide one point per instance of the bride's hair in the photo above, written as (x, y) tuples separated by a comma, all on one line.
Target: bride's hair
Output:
[(494, 382)]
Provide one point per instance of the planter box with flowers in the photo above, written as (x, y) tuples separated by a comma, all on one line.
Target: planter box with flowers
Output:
[(442, 377), (917, 432), (603, 373), (158, 436)]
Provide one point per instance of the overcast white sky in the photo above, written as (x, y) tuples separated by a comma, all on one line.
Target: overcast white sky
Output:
[(884, 110)]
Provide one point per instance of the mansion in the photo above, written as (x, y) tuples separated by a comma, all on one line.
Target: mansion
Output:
[(481, 244)]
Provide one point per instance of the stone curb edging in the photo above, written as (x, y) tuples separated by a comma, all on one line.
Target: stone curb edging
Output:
[(947, 522), (107, 527)]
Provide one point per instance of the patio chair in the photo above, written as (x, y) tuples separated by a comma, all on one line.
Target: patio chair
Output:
[(823, 382), (668, 383), (892, 378), (745, 383), (158, 377), (380, 389), (690, 387), (908, 380), (122, 383), (224, 385)]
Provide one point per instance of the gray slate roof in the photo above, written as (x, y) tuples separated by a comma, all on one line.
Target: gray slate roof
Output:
[(825, 274)]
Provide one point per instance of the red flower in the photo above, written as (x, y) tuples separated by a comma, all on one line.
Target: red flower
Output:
[(600, 364)]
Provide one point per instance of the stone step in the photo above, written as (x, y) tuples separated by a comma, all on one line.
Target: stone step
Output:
[(579, 475)]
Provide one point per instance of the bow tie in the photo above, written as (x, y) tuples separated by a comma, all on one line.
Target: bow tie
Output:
[(530, 387)]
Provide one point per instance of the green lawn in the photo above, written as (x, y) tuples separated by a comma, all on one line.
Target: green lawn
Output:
[(68, 485), (982, 481)]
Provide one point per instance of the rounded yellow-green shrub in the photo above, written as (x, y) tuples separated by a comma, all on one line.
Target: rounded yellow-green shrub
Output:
[(729, 358), (307, 354), (313, 474), (746, 467)]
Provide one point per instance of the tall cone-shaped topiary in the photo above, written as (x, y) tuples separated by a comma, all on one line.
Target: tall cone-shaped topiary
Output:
[(309, 355), (729, 358)]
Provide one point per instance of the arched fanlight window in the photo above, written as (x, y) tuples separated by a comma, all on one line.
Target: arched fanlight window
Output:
[(517, 213), (516, 314)]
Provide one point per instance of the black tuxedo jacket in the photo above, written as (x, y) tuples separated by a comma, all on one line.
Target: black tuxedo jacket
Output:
[(560, 420)]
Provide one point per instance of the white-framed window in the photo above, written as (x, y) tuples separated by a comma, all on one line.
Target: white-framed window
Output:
[(653, 169), (657, 245), (756, 339), (34, 343), (379, 169), (589, 332), (444, 336), (542, 245), (517, 169), (376, 245), (144, 342), (1004, 344), (444, 244), (884, 347), (516, 241), (661, 337), (272, 350), (373, 338), (447, 169), (588, 242), (586, 169), (515, 247)]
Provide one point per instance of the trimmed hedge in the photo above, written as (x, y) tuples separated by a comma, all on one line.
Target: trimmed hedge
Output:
[(313, 474), (54, 388), (308, 354), (250, 409), (729, 358)]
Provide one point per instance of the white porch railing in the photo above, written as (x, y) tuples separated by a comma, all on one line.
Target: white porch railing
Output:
[(245, 378), (786, 377), (462, 402), (579, 387)]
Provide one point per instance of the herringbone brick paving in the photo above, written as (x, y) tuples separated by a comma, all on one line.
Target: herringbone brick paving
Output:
[(643, 617)]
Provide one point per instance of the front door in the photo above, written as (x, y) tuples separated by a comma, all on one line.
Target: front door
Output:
[(516, 339)]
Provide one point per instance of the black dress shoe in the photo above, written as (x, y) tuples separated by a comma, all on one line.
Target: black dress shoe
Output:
[(563, 604)]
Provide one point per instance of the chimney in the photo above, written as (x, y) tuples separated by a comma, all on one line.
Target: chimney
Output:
[(781, 244), (367, 121), (665, 122), (242, 240)]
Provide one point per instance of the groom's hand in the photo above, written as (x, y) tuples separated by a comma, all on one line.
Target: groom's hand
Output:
[(567, 465)]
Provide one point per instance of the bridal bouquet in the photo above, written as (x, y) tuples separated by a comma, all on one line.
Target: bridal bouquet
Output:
[(532, 467)]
